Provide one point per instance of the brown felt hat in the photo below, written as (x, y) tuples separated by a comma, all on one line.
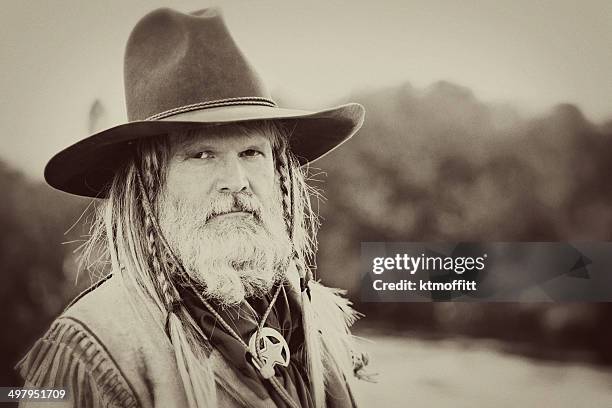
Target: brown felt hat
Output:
[(182, 70)]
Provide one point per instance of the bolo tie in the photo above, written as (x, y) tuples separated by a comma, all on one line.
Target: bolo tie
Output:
[(267, 347)]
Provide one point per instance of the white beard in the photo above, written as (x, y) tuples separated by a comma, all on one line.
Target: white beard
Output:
[(232, 256)]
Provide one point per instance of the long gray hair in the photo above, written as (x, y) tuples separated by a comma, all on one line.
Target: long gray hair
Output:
[(126, 226)]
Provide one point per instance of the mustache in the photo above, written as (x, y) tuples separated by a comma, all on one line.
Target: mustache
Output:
[(234, 202)]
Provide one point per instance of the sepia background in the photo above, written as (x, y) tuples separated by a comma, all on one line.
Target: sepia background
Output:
[(486, 121)]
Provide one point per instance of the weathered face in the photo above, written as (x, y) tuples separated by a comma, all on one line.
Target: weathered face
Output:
[(221, 211), (228, 161)]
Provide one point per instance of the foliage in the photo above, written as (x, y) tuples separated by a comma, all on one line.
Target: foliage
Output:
[(37, 273)]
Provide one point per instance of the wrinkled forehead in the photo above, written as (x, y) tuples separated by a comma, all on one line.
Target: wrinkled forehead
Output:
[(245, 132)]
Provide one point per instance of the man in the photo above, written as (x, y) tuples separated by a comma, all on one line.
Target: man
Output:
[(206, 220)]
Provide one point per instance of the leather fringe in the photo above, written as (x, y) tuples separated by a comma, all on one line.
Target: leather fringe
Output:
[(68, 356)]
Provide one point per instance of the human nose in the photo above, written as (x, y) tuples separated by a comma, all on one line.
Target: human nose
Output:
[(232, 177)]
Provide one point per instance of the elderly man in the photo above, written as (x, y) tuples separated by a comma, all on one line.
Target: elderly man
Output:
[(206, 221)]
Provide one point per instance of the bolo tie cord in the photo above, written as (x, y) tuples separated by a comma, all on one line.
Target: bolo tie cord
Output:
[(275, 383)]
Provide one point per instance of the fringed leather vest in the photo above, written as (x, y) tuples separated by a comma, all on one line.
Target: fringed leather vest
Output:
[(109, 351)]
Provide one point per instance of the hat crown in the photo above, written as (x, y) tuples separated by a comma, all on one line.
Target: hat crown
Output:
[(174, 60)]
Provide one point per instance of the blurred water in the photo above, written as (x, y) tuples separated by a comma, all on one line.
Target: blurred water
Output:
[(460, 373)]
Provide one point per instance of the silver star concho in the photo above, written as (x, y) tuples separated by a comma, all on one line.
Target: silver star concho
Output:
[(273, 349)]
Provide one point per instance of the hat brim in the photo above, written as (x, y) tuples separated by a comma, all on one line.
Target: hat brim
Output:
[(87, 167)]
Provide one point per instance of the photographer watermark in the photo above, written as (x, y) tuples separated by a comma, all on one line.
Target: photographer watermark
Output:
[(500, 271)]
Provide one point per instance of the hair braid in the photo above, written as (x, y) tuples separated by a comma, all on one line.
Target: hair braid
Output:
[(282, 166), (149, 177)]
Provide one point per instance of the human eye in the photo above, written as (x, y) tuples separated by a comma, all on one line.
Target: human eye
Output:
[(252, 153), (206, 154)]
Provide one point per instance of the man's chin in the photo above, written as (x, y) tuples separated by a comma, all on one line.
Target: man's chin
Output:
[(233, 290)]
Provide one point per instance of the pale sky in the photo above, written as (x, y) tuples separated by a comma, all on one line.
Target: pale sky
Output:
[(57, 57)]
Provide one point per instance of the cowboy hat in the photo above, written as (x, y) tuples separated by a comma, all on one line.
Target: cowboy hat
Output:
[(183, 70)]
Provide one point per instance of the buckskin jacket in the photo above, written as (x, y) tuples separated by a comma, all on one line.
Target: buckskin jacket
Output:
[(109, 353)]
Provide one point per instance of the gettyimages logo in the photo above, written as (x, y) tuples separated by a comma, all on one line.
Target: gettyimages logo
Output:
[(411, 264)]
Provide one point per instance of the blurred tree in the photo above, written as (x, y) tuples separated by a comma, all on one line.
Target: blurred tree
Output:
[(37, 278), (439, 165)]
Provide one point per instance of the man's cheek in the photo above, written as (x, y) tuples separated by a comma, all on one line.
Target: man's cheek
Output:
[(264, 182)]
